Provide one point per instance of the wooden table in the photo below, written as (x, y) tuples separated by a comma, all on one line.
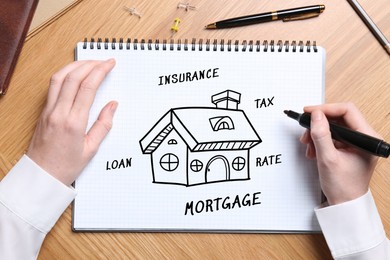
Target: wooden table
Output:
[(357, 70)]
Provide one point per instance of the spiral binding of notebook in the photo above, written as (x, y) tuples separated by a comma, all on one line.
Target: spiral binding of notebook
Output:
[(200, 45)]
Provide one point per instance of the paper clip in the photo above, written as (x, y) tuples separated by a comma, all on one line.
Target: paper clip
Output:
[(132, 11), (186, 6), (175, 26)]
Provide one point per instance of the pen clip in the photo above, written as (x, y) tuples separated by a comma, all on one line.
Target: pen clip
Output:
[(300, 17)]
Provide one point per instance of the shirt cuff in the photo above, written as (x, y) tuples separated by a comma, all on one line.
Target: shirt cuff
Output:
[(351, 227), (34, 195)]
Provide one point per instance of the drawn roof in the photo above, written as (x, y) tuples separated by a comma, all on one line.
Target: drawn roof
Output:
[(193, 125)]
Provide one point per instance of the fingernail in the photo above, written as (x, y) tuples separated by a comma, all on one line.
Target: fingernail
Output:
[(113, 107), (307, 108), (303, 137), (112, 60), (307, 151)]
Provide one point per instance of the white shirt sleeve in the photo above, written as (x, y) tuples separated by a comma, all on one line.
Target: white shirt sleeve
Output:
[(31, 202), (354, 230)]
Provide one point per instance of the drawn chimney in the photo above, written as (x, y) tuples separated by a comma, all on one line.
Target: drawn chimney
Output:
[(227, 99)]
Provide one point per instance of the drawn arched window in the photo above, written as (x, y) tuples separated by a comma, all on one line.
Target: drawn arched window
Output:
[(238, 163), (196, 165), (172, 141), (221, 123), (169, 162)]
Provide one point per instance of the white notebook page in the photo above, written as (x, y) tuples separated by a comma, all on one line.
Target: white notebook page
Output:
[(200, 141)]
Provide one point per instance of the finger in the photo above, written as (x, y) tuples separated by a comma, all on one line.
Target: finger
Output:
[(56, 82), (100, 128), (350, 114), (310, 151), (339, 145), (305, 138), (321, 136), (347, 111), (87, 90), (71, 85)]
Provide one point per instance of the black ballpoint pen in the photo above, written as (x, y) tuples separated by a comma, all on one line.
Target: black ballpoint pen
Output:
[(285, 15), (362, 141)]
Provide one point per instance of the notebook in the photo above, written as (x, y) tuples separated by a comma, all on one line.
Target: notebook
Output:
[(199, 141), (48, 11), (15, 19)]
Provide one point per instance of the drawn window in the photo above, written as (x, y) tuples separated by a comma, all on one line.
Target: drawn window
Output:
[(196, 165), (238, 163), (221, 123), (172, 141), (169, 162)]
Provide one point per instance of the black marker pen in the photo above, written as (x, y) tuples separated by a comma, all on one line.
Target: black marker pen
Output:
[(345, 135)]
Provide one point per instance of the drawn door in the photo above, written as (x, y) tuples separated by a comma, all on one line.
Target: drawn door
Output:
[(217, 169)]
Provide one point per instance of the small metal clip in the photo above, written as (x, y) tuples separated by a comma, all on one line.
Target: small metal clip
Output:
[(132, 11), (186, 6), (175, 26)]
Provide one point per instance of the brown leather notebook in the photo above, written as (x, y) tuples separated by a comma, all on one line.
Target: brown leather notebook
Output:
[(15, 19)]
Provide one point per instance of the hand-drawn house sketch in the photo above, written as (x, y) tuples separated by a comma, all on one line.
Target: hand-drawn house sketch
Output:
[(198, 145)]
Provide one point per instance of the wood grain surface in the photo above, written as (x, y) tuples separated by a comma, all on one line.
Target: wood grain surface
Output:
[(357, 70)]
